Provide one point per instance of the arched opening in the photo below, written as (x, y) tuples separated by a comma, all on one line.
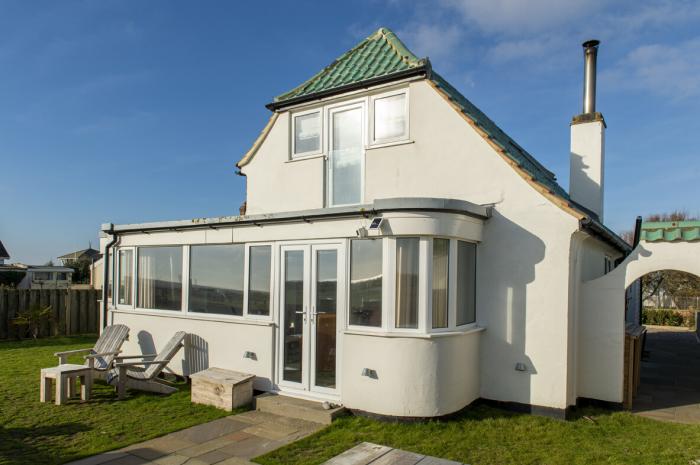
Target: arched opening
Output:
[(666, 382)]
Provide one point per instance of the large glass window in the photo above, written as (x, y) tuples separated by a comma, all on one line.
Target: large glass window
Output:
[(43, 276), (259, 272), (441, 270), (126, 279), (160, 278), (307, 133), (216, 279), (366, 282), (466, 283), (346, 157), (407, 266), (390, 118)]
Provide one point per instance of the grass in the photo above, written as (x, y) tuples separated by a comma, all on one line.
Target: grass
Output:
[(484, 435), (32, 432)]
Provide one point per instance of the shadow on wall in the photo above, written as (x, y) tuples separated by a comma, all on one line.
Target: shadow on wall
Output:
[(584, 184), (503, 276), (196, 355), (196, 352)]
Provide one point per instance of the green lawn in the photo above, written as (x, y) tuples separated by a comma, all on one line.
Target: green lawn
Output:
[(36, 433), (484, 435)]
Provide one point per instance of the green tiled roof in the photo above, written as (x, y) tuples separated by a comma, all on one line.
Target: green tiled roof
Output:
[(380, 55), (670, 231)]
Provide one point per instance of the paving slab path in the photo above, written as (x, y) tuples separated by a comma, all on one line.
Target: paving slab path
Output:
[(670, 376), (367, 453), (231, 440)]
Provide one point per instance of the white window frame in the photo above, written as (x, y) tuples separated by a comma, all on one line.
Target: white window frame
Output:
[(453, 282), (370, 130), (451, 290), (115, 279), (184, 286), (388, 256), (246, 284), (217, 316), (328, 114), (423, 254), (292, 125)]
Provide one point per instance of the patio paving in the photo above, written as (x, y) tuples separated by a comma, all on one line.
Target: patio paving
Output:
[(367, 453), (228, 441), (670, 376)]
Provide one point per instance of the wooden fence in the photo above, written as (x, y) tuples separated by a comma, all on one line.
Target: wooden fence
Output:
[(73, 311)]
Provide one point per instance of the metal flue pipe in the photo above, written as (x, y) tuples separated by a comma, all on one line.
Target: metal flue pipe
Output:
[(590, 55)]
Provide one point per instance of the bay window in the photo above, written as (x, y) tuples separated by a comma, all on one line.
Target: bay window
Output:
[(160, 278), (441, 271), (466, 283), (407, 269), (216, 279), (366, 260)]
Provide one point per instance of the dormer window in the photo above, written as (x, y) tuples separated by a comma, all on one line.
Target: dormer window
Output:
[(390, 121), (307, 133)]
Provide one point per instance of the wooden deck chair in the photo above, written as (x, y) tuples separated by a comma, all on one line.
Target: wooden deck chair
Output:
[(102, 355), (143, 375)]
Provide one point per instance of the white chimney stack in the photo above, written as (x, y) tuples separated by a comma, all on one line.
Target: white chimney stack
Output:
[(587, 169)]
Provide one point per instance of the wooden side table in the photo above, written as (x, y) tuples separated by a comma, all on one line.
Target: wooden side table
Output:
[(64, 377)]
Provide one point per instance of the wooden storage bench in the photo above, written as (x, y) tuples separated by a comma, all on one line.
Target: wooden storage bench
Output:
[(221, 388)]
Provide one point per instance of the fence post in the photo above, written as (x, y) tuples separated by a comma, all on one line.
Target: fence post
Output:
[(4, 321)]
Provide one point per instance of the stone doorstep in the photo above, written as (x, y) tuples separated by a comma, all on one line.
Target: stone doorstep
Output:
[(292, 407)]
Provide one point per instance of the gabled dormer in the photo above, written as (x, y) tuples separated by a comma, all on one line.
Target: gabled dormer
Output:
[(357, 103)]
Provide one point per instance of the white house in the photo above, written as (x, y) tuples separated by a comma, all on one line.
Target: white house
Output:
[(41, 276), (400, 254)]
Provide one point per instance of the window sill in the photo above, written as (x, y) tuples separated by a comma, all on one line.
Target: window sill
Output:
[(475, 329), (191, 316), (305, 157), (382, 145)]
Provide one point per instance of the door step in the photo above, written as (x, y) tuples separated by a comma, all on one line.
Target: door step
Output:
[(297, 408)]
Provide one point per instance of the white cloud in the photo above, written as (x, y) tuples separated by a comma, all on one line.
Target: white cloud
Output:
[(433, 40), (671, 71), (515, 17)]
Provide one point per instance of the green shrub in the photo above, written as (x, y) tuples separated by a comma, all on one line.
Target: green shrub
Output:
[(667, 317)]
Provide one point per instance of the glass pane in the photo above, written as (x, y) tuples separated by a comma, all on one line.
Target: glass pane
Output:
[(466, 283), (326, 305), (441, 267), (390, 117), (407, 253), (293, 315), (160, 278), (307, 133), (216, 279), (366, 282), (259, 280), (346, 157), (126, 266)]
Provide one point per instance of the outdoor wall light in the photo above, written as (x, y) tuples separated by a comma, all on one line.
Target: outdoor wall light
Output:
[(368, 372), (520, 366), (361, 232), (250, 355)]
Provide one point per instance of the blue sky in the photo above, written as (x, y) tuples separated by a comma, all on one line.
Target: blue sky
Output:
[(160, 99)]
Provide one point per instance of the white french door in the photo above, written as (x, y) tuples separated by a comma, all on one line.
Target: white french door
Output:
[(310, 297)]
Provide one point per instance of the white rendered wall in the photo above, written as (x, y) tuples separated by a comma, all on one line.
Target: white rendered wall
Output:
[(602, 315), (216, 343), (587, 165), (416, 377)]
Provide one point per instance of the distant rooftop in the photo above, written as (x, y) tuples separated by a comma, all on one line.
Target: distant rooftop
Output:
[(4, 254), (88, 253)]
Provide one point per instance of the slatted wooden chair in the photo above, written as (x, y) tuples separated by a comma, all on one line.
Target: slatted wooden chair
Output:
[(142, 375), (101, 357)]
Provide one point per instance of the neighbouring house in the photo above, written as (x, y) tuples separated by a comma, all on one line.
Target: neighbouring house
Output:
[(4, 254), (40, 277), (399, 254), (88, 255)]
